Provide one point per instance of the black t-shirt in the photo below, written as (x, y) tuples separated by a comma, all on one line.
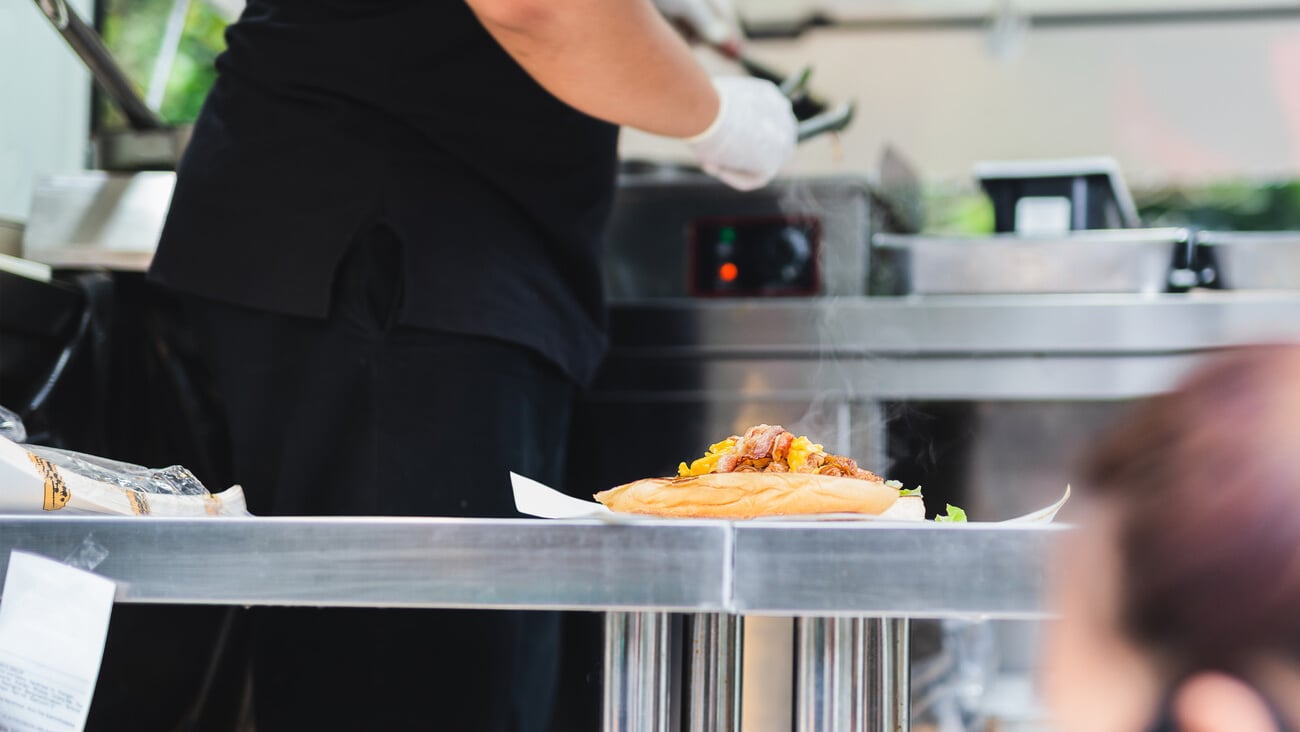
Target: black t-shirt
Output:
[(329, 116)]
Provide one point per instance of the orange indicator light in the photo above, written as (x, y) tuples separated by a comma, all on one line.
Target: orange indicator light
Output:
[(728, 272)]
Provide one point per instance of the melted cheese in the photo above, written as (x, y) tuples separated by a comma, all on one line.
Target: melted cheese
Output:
[(705, 464), (800, 449)]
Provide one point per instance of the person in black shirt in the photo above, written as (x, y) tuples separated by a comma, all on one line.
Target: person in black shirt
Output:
[(387, 232)]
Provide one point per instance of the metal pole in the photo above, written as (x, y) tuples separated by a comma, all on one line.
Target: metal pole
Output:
[(827, 680), (636, 694), (851, 675), (713, 672), (888, 675), (87, 44)]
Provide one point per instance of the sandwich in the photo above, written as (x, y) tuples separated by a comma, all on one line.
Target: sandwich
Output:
[(767, 471)]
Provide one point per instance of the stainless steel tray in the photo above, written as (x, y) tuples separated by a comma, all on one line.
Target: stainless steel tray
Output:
[(1249, 260), (1143, 261), (97, 219)]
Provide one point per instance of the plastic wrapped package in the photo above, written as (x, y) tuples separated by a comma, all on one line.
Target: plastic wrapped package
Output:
[(36, 479), (11, 426), (170, 481)]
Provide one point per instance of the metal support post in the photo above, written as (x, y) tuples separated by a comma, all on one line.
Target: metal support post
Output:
[(713, 673), (636, 694), (888, 675), (852, 675)]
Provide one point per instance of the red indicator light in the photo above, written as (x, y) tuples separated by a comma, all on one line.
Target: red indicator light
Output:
[(728, 272)]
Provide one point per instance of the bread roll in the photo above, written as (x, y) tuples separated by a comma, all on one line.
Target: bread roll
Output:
[(906, 508), (749, 495)]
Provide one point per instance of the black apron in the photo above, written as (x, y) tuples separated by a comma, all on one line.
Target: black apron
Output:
[(389, 238)]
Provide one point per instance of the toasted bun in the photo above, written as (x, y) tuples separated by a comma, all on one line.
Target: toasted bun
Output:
[(749, 495)]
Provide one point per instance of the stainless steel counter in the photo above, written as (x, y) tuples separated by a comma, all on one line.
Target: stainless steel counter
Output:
[(970, 347), (923, 571), (637, 572), (790, 568), (397, 562), (955, 325)]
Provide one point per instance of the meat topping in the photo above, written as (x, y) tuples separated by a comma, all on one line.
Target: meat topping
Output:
[(771, 449)]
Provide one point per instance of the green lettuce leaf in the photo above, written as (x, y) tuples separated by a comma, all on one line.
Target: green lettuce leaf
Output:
[(903, 492), (954, 516)]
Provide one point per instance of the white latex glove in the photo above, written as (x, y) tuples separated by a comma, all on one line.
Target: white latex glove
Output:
[(754, 134), (714, 21)]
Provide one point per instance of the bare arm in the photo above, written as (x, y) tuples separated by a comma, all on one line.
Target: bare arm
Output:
[(617, 60)]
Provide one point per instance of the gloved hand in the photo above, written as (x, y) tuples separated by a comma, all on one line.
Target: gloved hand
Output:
[(754, 134), (714, 21)]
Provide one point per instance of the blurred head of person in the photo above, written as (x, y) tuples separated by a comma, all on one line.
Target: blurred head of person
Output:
[(1180, 593)]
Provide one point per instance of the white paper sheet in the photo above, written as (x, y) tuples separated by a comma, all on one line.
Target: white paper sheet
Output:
[(534, 499), (53, 620), (1042, 515)]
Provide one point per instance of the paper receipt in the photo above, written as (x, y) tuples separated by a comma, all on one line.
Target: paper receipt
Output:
[(53, 621)]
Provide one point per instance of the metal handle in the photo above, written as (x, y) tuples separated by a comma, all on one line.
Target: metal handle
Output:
[(833, 121), (796, 87), (816, 117), (56, 11), (91, 50)]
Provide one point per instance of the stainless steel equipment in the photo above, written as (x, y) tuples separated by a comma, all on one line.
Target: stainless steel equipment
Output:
[(1119, 260), (680, 234), (98, 219), (1249, 260), (1030, 196), (11, 236)]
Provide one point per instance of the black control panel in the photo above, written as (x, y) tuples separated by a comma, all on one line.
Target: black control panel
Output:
[(764, 256)]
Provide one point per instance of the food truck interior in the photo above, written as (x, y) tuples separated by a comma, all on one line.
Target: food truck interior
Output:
[(1005, 222)]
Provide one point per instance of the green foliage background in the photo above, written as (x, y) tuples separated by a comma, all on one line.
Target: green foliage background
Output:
[(133, 31)]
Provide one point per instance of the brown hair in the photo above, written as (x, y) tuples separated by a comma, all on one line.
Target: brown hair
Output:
[(1206, 484)]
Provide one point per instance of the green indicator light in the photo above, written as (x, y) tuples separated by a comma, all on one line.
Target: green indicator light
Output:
[(728, 234)]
